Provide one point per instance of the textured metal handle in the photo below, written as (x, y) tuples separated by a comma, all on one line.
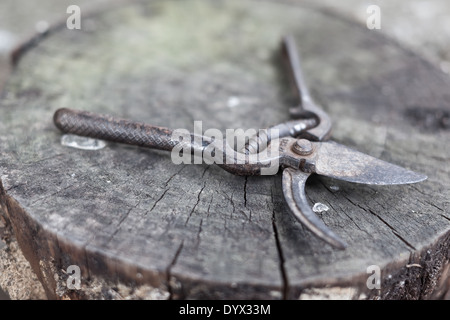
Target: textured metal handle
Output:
[(291, 128), (105, 127)]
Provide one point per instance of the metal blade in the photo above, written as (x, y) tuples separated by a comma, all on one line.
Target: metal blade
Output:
[(340, 162), (294, 193)]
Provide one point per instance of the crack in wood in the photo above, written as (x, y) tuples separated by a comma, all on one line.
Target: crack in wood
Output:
[(156, 202), (196, 204), (412, 186), (122, 220), (245, 191), (281, 257), (208, 212), (348, 216), (198, 237), (233, 204), (51, 195), (14, 187), (172, 176), (393, 230), (204, 171), (284, 277), (434, 205)]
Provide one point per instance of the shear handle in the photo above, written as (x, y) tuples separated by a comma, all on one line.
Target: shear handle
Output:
[(306, 106), (294, 182), (106, 127)]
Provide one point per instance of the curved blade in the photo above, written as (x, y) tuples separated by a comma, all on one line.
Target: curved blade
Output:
[(340, 162), (294, 193)]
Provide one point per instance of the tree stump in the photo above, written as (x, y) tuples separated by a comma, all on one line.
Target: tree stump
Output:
[(140, 227)]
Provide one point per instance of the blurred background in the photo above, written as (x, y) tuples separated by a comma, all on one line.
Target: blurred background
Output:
[(422, 26)]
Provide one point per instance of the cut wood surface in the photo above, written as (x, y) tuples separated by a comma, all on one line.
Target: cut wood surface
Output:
[(139, 226)]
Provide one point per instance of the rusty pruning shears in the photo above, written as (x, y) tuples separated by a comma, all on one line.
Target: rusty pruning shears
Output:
[(298, 146)]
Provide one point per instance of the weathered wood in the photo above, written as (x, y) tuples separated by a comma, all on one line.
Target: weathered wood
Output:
[(128, 216)]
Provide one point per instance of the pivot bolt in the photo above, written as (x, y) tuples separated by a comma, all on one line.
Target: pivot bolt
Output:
[(303, 147)]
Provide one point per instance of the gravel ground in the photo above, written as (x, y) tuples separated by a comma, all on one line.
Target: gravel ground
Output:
[(422, 26)]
